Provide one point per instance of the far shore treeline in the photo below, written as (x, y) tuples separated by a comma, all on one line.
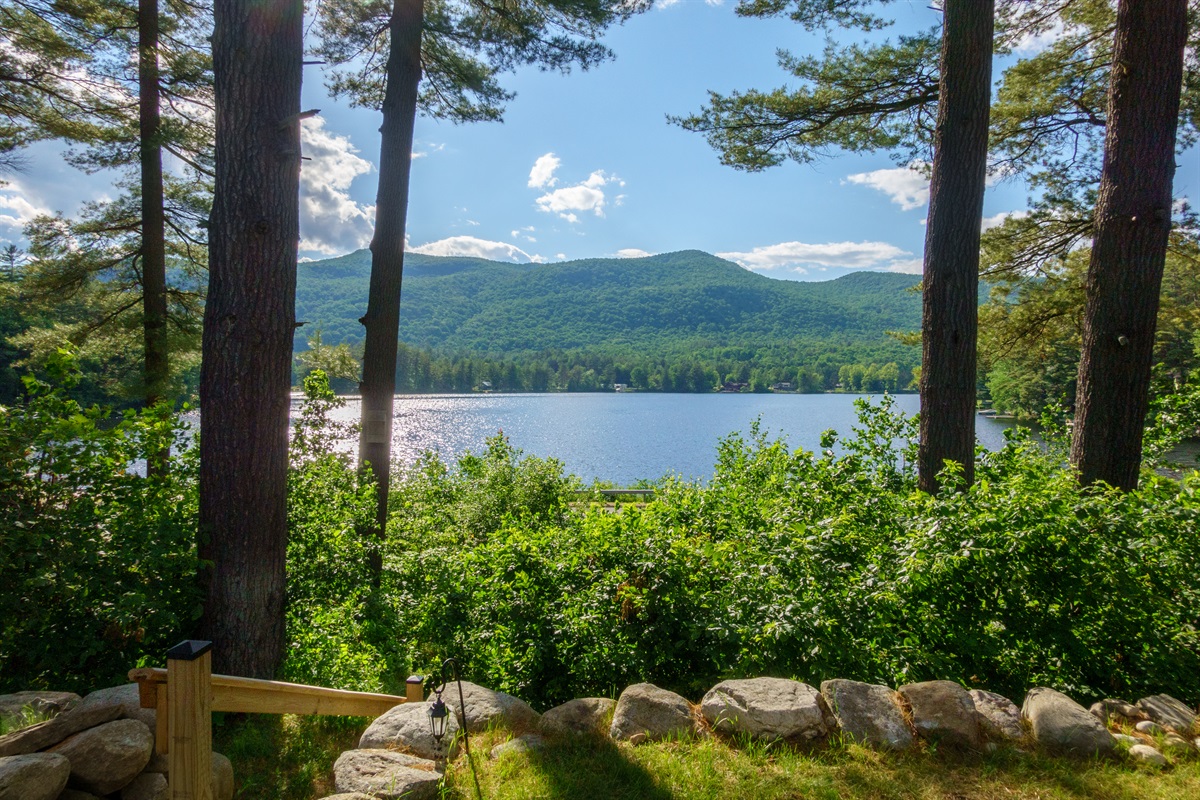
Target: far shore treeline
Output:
[(675, 322)]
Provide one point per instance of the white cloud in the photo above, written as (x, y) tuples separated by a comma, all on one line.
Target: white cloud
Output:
[(997, 220), (588, 195), (909, 266), (542, 174), (433, 148), (560, 256), (477, 248), (632, 252), (17, 210), (908, 187), (1032, 43), (801, 256), (331, 222)]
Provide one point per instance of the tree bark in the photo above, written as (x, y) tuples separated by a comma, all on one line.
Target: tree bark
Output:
[(1132, 223), (950, 312), (249, 319), (155, 363), (382, 320)]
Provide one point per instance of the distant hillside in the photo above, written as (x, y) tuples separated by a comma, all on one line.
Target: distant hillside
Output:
[(669, 303)]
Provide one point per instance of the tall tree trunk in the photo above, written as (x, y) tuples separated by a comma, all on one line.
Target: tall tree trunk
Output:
[(950, 315), (249, 320), (155, 364), (1133, 221), (382, 320)]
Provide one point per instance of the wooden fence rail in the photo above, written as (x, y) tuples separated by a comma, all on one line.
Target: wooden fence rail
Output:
[(186, 693)]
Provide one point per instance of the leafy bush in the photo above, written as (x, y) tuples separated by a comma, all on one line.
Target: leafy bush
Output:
[(97, 562), (809, 565), (339, 634)]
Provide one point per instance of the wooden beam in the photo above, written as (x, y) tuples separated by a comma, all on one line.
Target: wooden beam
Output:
[(189, 720), (252, 696)]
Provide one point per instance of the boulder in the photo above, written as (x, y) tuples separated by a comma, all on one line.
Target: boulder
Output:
[(1126, 739), (348, 796), (222, 777), (386, 774), (1176, 745), (1148, 755), (767, 708), (1149, 728), (486, 707), (1118, 711), (75, 794), (943, 712), (406, 727), (579, 717), (1168, 712), (35, 776), (868, 714), (1059, 723), (522, 744), (999, 717), (147, 786), (107, 757), (127, 698), (93, 710), (652, 712), (14, 706), (222, 773)]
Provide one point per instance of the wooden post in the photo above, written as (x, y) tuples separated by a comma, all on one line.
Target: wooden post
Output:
[(414, 689), (189, 720)]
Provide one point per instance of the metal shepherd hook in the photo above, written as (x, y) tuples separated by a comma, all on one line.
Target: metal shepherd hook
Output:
[(438, 715)]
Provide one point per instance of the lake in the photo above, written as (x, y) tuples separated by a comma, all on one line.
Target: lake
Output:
[(623, 437)]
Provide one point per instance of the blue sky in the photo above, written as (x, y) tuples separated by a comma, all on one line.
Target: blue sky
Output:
[(586, 165)]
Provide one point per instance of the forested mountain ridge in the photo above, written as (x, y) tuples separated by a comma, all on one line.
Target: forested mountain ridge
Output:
[(665, 303)]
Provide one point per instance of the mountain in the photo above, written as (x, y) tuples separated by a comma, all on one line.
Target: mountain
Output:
[(662, 304)]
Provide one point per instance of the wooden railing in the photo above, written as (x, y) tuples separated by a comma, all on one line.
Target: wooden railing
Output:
[(186, 693)]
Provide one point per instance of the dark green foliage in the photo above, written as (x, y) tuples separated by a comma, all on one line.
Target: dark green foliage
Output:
[(646, 322), (338, 633), (97, 562), (811, 565)]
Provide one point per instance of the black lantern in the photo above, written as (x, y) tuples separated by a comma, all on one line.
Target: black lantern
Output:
[(437, 716)]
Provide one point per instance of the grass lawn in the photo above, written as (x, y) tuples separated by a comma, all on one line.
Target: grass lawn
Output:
[(291, 758)]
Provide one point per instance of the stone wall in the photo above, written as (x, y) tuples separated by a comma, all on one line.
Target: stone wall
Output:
[(98, 746), (397, 757)]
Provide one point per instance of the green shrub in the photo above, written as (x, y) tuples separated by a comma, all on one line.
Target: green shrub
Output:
[(97, 562), (808, 565)]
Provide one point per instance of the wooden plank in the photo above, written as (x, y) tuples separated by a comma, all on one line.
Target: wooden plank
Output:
[(189, 711), (414, 689), (162, 733)]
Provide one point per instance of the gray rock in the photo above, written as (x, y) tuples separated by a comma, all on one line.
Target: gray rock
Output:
[(93, 710), (1059, 723), (1148, 755), (147, 786), (127, 698), (1118, 711), (1149, 728), (1176, 745), (868, 713), (222, 772), (386, 774), (582, 716), (653, 712), (486, 708), (107, 757), (35, 776), (999, 717), (406, 727), (522, 744), (15, 706), (1126, 739), (1169, 712), (348, 796), (943, 712), (222, 777), (767, 708)]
